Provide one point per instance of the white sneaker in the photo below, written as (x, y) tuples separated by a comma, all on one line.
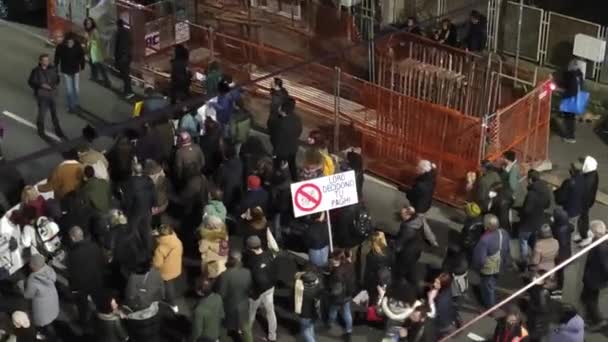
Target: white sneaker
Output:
[(586, 242), (576, 237)]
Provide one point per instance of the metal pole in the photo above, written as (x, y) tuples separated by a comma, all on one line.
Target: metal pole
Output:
[(585, 250), (519, 24), (337, 111), (331, 239)]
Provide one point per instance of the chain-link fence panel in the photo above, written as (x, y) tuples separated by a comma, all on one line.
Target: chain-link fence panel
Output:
[(561, 32), (530, 31)]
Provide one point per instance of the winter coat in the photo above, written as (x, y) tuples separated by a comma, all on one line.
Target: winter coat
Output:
[(573, 79), (285, 134), (192, 198), (211, 82), (537, 200), (168, 256), (224, 107), (316, 236), (341, 284), (40, 76), (311, 301), (122, 47), (476, 37), (40, 289), (122, 244), (277, 98), (213, 247), (375, 262), (181, 76), (512, 175), (65, 178), (120, 159), (95, 48), (153, 103), (571, 331), (483, 186), (161, 186), (186, 157), (149, 146), (234, 286), (596, 268), (408, 248), (421, 193), (471, 232), (85, 264), (591, 182), (446, 312), (139, 196), (562, 231), (544, 254), (254, 198), (516, 333), (257, 228), (501, 207), (229, 177), (211, 147), (99, 194), (70, 61), (539, 311), (109, 328), (571, 195), (208, 317), (488, 246), (215, 208), (240, 126), (165, 132)]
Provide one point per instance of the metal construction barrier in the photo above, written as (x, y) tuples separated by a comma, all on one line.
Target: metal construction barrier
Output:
[(530, 42)]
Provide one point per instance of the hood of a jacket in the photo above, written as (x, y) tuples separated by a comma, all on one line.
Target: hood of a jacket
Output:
[(170, 240), (45, 275), (217, 205), (414, 223), (213, 234), (589, 165)]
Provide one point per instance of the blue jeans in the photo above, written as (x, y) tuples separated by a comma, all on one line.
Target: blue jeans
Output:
[(72, 89), (344, 312), (487, 287), (307, 328), (524, 247), (318, 257)]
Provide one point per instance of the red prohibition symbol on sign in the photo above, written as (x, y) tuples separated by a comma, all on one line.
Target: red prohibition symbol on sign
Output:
[(307, 197)]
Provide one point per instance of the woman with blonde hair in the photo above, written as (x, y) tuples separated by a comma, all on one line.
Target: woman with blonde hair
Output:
[(32, 198), (213, 246), (380, 257)]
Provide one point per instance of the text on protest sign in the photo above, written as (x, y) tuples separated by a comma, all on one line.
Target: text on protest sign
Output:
[(324, 193)]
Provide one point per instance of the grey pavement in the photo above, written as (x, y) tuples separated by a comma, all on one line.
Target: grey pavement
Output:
[(19, 54)]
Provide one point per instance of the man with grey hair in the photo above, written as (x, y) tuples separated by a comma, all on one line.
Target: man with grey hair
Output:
[(41, 290), (490, 257), (595, 277)]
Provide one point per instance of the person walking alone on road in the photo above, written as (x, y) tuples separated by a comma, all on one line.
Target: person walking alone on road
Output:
[(122, 57), (44, 81), (96, 53), (69, 58)]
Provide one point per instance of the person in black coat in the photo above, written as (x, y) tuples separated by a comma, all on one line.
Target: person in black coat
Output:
[(471, 230), (122, 56), (571, 194), (121, 246), (476, 37), (316, 240), (562, 231), (448, 33), (11, 184), (138, 200), (69, 58), (421, 195), (591, 179), (44, 81), (572, 83), (256, 196), (229, 177), (380, 257), (211, 144), (85, 266), (532, 214), (285, 133), (501, 204), (595, 277), (278, 96), (408, 248), (539, 310), (181, 77)]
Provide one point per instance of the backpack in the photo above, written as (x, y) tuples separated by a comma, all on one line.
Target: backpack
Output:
[(362, 223), (141, 298), (47, 236)]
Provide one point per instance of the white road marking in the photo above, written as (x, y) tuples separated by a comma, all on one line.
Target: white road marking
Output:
[(28, 124), (24, 30)]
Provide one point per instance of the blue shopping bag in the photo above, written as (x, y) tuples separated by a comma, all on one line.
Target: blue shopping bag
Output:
[(575, 104)]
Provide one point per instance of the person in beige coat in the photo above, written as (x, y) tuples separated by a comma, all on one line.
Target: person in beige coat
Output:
[(213, 246), (545, 251)]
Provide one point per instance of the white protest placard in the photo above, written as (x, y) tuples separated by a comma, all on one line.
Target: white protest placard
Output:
[(324, 193)]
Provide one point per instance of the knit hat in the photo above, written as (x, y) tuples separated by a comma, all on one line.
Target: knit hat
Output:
[(472, 209), (253, 182), (20, 320), (37, 261), (254, 242)]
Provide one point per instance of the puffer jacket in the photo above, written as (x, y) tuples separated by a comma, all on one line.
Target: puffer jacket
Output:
[(213, 247), (216, 208), (168, 256), (41, 290)]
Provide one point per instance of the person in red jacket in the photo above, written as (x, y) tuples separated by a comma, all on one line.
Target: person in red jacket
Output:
[(511, 328)]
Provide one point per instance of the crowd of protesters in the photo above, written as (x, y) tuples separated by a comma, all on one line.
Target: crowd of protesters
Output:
[(200, 206)]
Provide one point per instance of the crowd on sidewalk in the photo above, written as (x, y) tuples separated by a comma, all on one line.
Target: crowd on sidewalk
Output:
[(197, 186)]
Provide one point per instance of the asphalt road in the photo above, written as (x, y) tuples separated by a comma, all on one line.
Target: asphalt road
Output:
[(20, 47)]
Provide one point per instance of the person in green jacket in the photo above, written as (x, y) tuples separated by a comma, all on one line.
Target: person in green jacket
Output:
[(208, 314), (489, 177), (96, 190), (216, 207), (511, 171), (95, 52), (212, 79)]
